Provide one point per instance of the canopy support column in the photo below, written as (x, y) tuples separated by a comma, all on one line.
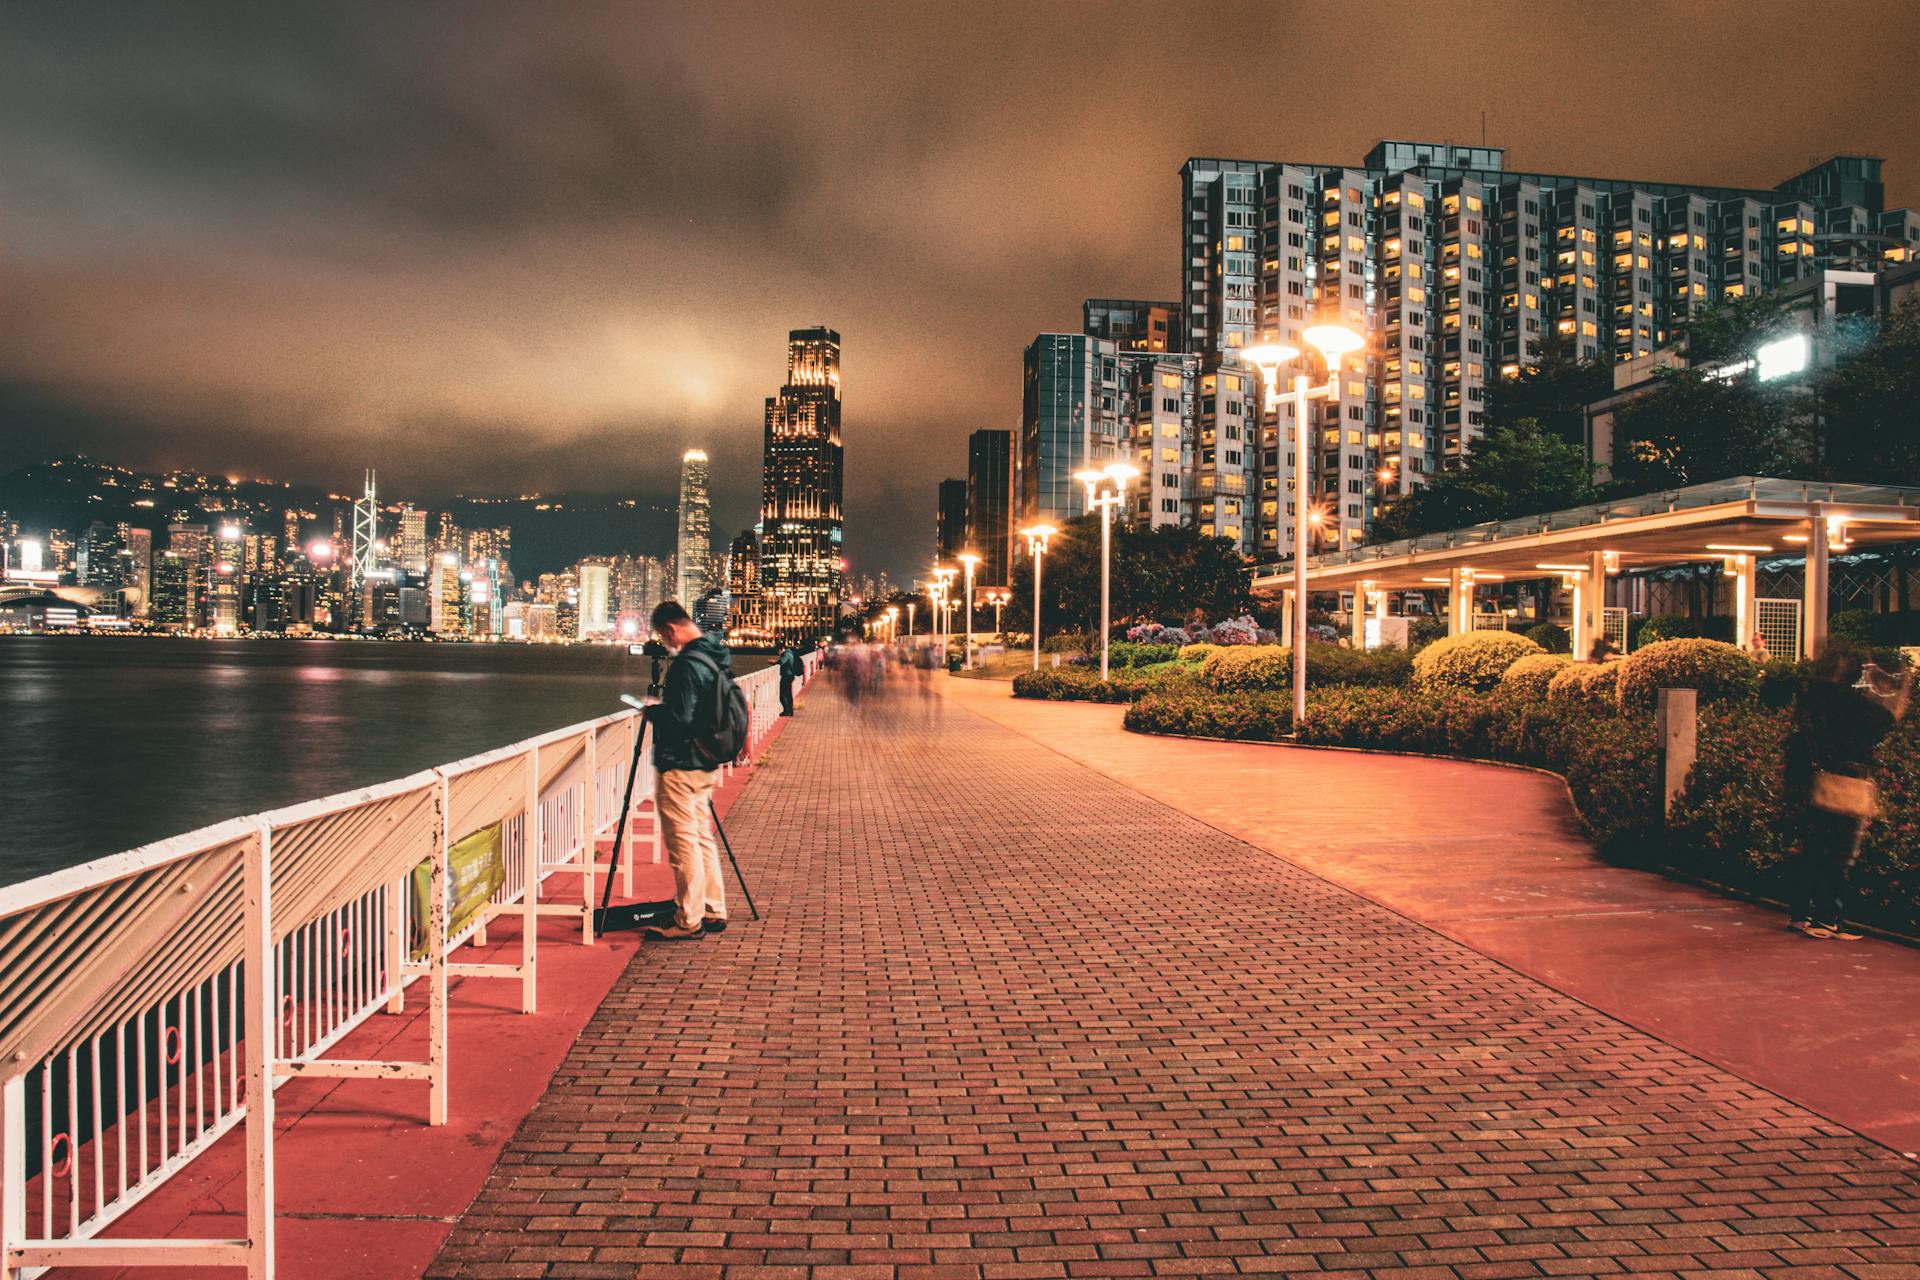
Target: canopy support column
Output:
[(1813, 618)]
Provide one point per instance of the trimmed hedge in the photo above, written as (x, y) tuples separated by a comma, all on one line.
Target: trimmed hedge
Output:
[(1720, 672), (1550, 636), (1473, 662), (1529, 677), (1593, 685), (1732, 825), (1080, 684), (1270, 667), (1134, 653)]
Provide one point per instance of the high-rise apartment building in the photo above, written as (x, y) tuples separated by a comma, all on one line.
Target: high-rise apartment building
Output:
[(1132, 325), (139, 567), (801, 482), (694, 549), (990, 503), (1069, 421), (950, 521), (1457, 269)]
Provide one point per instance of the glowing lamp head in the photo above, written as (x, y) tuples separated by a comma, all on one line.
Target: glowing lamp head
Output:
[(1122, 474), (321, 551), (969, 559), (1334, 342), (1268, 357)]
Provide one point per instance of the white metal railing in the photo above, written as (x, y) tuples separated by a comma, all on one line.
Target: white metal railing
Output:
[(132, 987)]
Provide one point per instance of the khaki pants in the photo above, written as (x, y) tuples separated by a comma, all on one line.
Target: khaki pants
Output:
[(699, 890)]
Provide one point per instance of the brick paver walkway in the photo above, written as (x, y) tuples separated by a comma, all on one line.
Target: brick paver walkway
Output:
[(1008, 1018)]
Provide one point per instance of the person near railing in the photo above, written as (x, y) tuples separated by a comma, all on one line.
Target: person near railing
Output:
[(701, 665), (790, 666)]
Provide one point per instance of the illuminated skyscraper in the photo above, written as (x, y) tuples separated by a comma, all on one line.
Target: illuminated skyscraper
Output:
[(595, 616), (410, 545), (695, 549), (801, 532)]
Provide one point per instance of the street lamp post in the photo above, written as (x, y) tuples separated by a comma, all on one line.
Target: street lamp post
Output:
[(998, 599), (942, 604), (1117, 475), (1334, 343), (1036, 536), (911, 606), (969, 559)]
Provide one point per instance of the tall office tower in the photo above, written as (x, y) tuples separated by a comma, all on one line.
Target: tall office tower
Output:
[(990, 503), (1132, 325), (410, 542), (950, 521), (173, 590), (290, 528), (226, 577), (195, 547), (138, 576), (100, 562), (694, 548), (743, 581), (1069, 421), (481, 545), (59, 552), (595, 599), (1457, 269), (800, 492), (447, 598)]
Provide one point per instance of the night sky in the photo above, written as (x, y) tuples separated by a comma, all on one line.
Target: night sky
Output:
[(492, 248)]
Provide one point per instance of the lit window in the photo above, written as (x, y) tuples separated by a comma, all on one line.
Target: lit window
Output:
[(1416, 201)]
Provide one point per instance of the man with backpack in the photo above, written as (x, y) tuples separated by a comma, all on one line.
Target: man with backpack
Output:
[(699, 724), (790, 667)]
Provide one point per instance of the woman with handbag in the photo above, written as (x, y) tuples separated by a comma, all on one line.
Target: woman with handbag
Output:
[(1829, 779)]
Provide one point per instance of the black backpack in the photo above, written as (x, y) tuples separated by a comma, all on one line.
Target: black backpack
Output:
[(720, 730)]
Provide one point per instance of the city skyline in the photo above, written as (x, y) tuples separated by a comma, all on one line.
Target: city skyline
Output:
[(485, 299)]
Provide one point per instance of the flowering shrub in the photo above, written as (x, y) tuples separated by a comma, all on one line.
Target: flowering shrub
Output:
[(1721, 672), (1241, 630), (1529, 677), (1593, 685), (1154, 633), (1081, 684), (1473, 662)]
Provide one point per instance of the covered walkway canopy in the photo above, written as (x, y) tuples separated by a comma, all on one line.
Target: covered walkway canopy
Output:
[(1738, 521)]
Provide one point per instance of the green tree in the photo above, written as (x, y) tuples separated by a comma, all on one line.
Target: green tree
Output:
[(1695, 428), (1552, 393), (1869, 406), (1167, 574), (1512, 471)]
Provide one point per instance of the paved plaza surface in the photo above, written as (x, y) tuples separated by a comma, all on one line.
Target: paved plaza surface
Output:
[(1008, 1017)]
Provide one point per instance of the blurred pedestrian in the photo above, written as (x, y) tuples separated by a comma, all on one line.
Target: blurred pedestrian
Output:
[(1603, 648), (1829, 779)]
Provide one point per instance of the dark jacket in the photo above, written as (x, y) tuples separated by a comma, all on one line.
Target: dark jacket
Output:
[(1835, 729), (686, 699), (789, 666)]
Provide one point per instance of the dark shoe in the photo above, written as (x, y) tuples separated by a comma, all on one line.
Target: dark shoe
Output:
[(674, 933), (714, 924)]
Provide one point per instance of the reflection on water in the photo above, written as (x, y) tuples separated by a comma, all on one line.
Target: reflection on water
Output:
[(106, 744)]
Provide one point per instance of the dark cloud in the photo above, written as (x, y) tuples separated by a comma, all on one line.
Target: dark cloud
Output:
[(486, 245)]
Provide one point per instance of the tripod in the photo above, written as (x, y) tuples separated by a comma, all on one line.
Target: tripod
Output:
[(639, 914)]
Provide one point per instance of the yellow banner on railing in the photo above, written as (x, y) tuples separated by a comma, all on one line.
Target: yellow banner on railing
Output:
[(476, 868)]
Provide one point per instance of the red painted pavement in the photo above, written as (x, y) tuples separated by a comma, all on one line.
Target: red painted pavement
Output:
[(365, 1189), (1493, 857)]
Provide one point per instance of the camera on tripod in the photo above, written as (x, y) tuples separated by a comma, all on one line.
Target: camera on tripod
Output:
[(658, 652)]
